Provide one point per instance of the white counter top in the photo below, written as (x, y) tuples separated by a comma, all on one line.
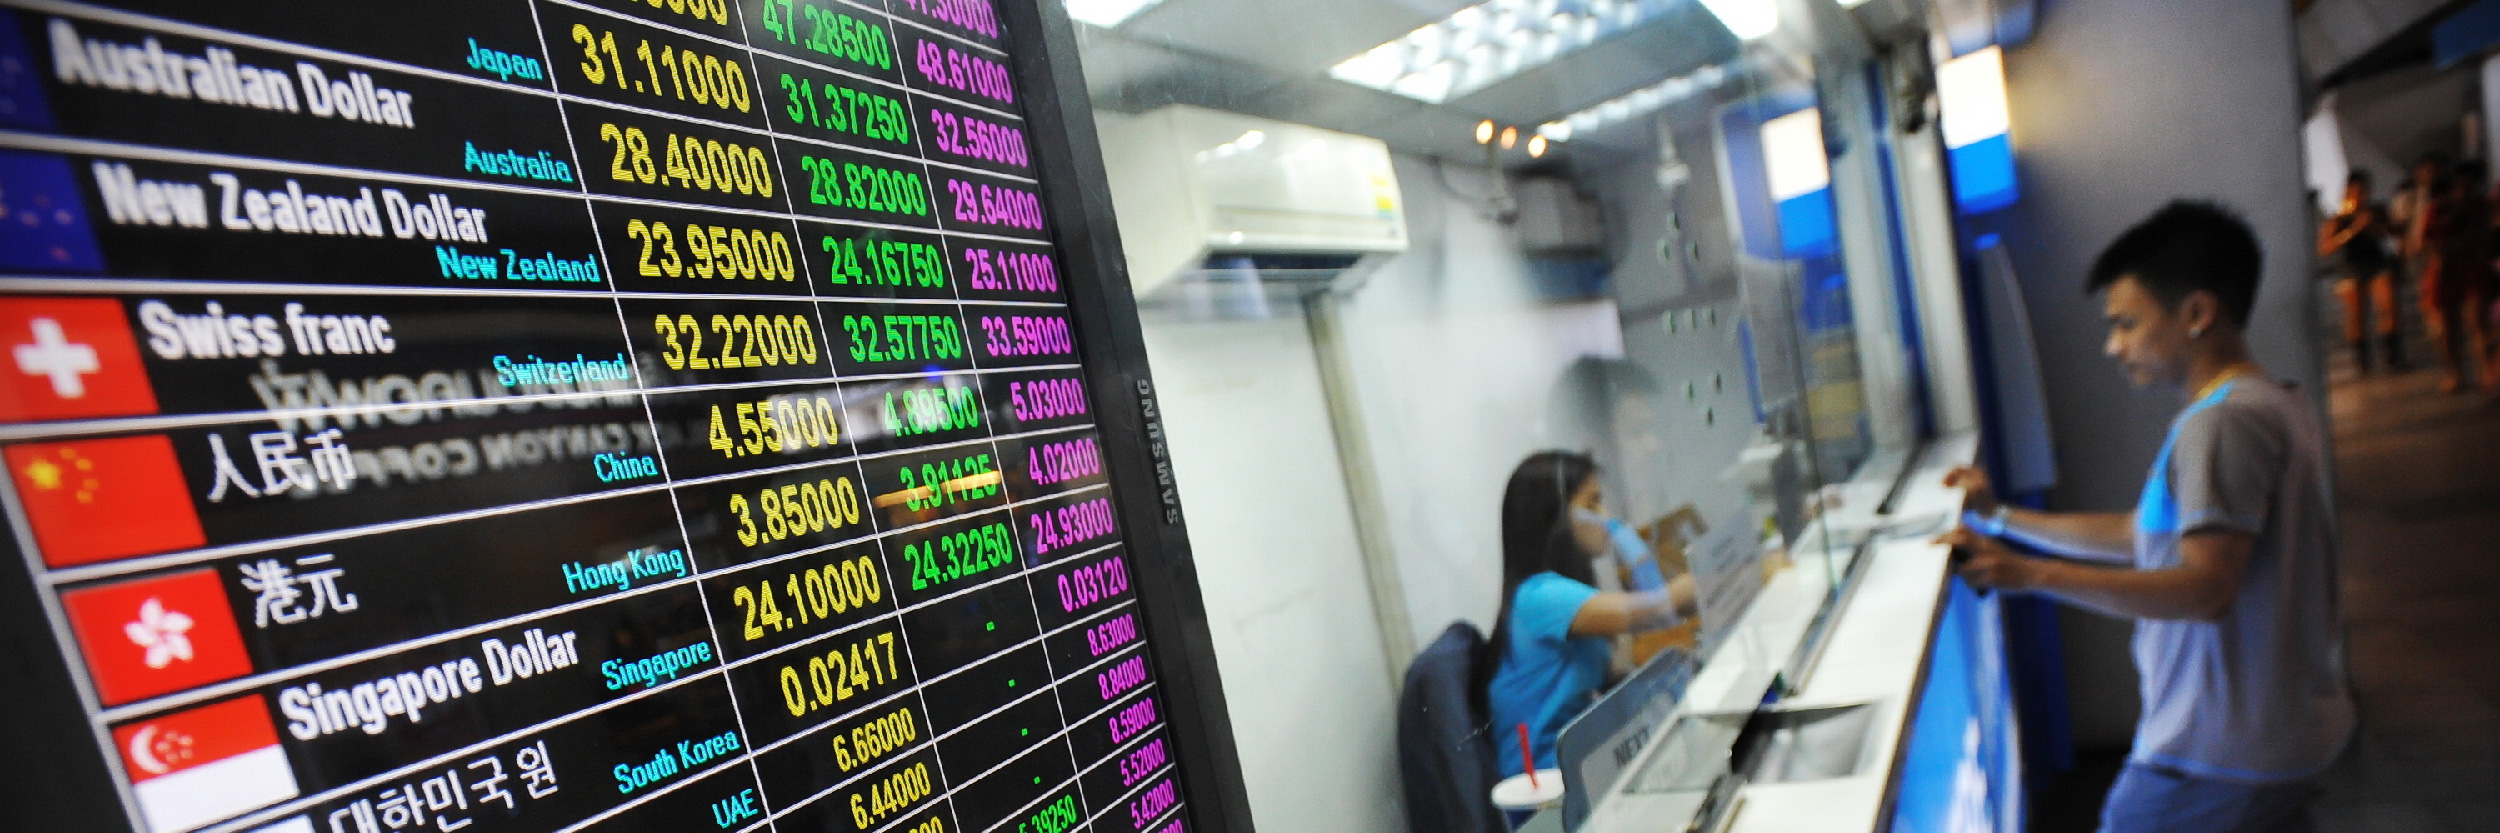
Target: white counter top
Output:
[(1875, 654), (1877, 650)]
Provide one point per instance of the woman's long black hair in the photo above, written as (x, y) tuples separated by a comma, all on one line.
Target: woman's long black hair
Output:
[(1536, 538)]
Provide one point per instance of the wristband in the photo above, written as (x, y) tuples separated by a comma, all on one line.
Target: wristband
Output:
[(1995, 527), (1991, 524)]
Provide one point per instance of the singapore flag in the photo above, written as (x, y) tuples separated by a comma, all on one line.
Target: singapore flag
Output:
[(193, 767)]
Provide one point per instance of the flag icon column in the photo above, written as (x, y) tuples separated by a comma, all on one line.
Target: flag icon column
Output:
[(190, 768), (69, 358), (156, 635), (98, 500)]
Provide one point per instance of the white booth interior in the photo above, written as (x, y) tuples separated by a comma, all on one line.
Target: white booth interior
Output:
[(1386, 250)]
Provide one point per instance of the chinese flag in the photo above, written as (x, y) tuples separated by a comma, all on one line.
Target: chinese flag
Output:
[(156, 635), (96, 500), (66, 358)]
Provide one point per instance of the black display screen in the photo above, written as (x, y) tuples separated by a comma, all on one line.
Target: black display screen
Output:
[(550, 415)]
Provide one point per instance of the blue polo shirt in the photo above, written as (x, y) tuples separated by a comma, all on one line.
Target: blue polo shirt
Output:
[(2259, 696), (1548, 676)]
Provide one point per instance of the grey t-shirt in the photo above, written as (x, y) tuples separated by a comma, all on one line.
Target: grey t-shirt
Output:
[(2260, 695)]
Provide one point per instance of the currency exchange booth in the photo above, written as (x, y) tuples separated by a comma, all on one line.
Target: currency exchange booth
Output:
[(502, 415)]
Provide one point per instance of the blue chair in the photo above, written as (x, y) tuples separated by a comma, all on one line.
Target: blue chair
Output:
[(1444, 756)]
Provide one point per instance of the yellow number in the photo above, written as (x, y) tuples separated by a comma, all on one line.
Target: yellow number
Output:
[(640, 145), (694, 351), (745, 602), (770, 503), (632, 149), (772, 427), (728, 342), (746, 523), (770, 613), (748, 431), (591, 67), (672, 264), (793, 692), (616, 167), (718, 437), (635, 229), (701, 247), (675, 355), (676, 164)]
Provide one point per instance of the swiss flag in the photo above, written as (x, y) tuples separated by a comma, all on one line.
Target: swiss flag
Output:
[(193, 767), (97, 500), (66, 358), (156, 635)]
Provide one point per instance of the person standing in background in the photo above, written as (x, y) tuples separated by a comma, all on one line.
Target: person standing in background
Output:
[(2400, 207), (2452, 237), (2411, 202), (2358, 232)]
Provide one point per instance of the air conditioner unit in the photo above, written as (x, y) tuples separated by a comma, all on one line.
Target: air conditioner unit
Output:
[(1193, 186)]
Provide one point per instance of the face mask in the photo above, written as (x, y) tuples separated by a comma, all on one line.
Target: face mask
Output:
[(1628, 546)]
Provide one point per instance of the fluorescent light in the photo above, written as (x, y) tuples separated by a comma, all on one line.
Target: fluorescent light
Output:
[(1636, 102), (1108, 13), (1747, 19), (1484, 44), (1792, 151), (1971, 90)]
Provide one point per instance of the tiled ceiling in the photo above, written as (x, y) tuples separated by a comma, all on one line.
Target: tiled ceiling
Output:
[(1271, 58)]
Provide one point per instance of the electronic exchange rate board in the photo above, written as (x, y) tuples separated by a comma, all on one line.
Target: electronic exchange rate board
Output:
[(540, 415)]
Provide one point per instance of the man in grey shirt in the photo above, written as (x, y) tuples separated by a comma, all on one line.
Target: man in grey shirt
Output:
[(2227, 563)]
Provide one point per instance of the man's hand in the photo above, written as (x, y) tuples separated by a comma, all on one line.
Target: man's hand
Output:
[(2203, 587), (1987, 564), (1974, 482)]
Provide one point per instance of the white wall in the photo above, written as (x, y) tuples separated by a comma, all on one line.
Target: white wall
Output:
[(1311, 695), (2119, 106), (1706, 417), (1455, 359)]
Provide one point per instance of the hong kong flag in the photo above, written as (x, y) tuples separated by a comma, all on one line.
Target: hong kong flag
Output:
[(97, 500), (156, 635), (68, 358), (197, 766)]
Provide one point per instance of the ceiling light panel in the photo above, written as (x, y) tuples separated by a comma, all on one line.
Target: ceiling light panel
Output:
[(1108, 13), (1638, 102), (1484, 44)]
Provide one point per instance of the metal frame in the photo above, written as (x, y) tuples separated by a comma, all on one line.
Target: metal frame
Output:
[(63, 781), (1076, 195), (60, 779)]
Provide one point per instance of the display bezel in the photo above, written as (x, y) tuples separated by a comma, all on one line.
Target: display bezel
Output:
[(1043, 51), (58, 775)]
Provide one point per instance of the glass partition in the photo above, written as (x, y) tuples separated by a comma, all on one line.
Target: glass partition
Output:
[(1401, 252)]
